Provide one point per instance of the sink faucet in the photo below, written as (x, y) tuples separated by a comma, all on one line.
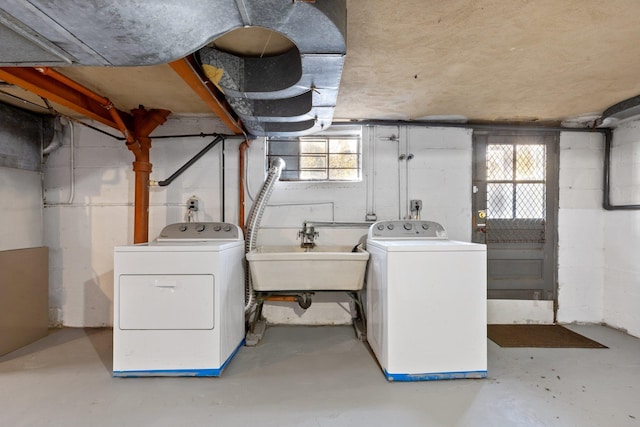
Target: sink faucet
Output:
[(308, 235)]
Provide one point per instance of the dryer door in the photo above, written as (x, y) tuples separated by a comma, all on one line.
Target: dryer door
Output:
[(166, 302)]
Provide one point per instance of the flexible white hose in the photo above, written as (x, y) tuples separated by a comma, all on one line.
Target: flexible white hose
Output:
[(253, 223)]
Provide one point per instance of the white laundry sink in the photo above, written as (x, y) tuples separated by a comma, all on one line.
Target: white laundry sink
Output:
[(322, 268)]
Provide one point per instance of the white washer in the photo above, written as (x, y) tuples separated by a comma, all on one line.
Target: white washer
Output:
[(426, 302), (179, 302)]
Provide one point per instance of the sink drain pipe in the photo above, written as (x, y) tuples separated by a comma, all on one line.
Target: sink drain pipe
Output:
[(253, 223), (304, 300)]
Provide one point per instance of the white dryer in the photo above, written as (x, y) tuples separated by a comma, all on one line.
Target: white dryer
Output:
[(179, 302), (426, 302)]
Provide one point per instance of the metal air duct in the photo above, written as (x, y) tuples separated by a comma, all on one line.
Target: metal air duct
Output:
[(295, 92), (289, 94)]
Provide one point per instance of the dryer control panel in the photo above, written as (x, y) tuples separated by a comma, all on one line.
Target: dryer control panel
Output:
[(407, 229), (200, 231)]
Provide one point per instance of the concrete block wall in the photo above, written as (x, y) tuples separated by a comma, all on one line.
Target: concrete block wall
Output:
[(580, 228), (21, 138), (21, 207), (439, 174), (81, 235), (597, 274), (598, 269), (621, 302)]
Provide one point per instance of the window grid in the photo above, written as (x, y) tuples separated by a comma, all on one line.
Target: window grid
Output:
[(516, 193), (516, 183), (331, 158)]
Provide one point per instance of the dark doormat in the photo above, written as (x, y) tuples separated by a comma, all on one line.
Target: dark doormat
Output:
[(545, 336)]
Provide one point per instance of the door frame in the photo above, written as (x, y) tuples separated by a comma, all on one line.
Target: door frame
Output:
[(551, 140)]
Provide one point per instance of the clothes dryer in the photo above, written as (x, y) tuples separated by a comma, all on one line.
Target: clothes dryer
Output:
[(179, 302)]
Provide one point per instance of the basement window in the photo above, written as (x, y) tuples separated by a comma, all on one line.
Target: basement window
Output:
[(330, 157)]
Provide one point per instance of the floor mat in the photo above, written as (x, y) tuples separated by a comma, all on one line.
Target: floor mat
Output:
[(546, 336)]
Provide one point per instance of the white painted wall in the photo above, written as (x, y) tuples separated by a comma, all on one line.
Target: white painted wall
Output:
[(21, 207), (581, 276), (621, 302), (439, 174), (598, 269), (82, 235), (598, 273)]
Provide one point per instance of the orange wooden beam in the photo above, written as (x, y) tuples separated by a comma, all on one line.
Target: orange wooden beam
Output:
[(70, 96), (190, 72)]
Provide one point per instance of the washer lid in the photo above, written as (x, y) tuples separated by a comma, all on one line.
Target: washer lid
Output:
[(433, 245), (182, 246)]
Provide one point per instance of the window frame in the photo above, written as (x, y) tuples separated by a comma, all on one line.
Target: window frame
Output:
[(514, 181), (346, 133)]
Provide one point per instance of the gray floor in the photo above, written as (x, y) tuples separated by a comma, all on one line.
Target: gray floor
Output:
[(321, 376)]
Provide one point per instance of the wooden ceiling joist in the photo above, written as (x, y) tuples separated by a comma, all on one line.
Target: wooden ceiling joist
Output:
[(189, 71), (67, 95)]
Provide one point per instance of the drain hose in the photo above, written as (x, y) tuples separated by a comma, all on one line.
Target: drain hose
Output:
[(253, 223)]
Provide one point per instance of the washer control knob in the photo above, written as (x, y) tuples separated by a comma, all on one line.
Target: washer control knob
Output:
[(217, 228), (408, 226), (183, 227), (227, 228), (380, 227), (425, 226), (390, 226), (200, 228)]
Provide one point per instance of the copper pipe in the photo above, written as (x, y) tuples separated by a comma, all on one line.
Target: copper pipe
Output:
[(149, 121), (123, 128), (282, 298), (142, 169), (144, 123), (304, 301)]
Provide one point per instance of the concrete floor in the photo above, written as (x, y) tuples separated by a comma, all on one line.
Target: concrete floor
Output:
[(321, 376)]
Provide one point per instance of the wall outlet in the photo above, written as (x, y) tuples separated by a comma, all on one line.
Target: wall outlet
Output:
[(192, 203), (416, 205)]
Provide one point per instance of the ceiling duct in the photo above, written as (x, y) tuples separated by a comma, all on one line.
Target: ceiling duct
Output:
[(291, 93), (629, 108)]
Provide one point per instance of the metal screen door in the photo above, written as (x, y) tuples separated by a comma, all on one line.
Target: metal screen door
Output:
[(515, 205)]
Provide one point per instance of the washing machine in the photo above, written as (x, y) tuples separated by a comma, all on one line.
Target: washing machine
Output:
[(426, 302), (179, 302)]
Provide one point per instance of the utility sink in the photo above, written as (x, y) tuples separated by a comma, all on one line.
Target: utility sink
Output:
[(321, 268)]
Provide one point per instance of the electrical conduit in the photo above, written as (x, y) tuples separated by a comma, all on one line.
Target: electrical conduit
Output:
[(72, 162), (241, 166)]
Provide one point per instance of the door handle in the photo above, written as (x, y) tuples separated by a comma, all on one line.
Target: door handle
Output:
[(165, 283), (481, 219)]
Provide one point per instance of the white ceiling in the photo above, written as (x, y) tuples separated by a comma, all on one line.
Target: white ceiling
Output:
[(491, 60)]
